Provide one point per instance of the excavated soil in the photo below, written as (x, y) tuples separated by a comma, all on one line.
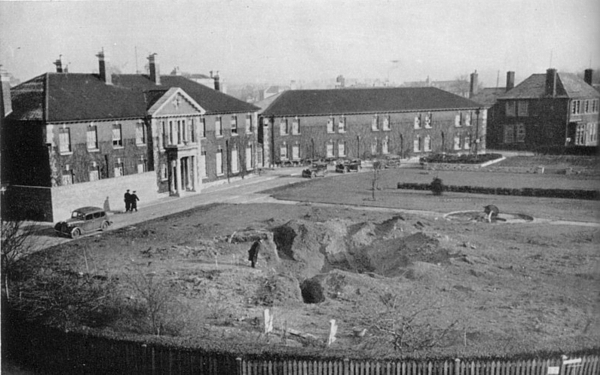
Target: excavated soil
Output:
[(497, 288)]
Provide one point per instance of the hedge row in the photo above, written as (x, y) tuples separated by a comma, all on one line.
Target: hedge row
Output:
[(460, 159), (526, 192)]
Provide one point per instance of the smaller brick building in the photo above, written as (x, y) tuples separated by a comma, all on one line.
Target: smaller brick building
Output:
[(370, 122), (551, 112)]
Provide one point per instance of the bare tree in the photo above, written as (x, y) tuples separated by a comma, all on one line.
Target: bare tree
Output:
[(408, 329), (18, 239), (377, 166)]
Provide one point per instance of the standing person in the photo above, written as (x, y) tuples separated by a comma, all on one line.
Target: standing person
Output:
[(134, 199), (253, 252), (127, 199)]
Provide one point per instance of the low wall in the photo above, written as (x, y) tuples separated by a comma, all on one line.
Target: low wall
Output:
[(108, 191)]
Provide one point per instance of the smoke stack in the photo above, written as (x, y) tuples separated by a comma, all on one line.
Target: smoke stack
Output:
[(217, 81), (474, 84), (587, 76), (551, 82), (104, 69), (5, 97), (154, 69), (58, 63), (510, 80)]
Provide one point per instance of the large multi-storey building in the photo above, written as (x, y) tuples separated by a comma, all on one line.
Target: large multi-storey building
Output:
[(72, 139), (367, 123)]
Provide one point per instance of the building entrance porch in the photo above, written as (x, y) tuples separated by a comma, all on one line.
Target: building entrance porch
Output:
[(184, 175)]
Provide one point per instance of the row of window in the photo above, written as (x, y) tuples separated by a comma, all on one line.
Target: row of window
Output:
[(584, 106), (379, 122), (219, 161), (67, 176), (460, 142), (65, 141)]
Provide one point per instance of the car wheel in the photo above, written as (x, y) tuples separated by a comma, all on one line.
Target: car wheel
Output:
[(104, 226), (75, 233)]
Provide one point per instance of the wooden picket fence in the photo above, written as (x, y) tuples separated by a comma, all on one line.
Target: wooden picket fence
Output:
[(589, 365), (58, 352)]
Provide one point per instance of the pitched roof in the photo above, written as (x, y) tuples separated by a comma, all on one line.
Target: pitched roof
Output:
[(567, 86), (488, 95), (365, 100), (75, 96)]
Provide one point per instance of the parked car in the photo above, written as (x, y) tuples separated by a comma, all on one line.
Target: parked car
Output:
[(348, 166), (317, 169), (83, 220)]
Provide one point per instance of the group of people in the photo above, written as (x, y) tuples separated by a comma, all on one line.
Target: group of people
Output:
[(131, 200)]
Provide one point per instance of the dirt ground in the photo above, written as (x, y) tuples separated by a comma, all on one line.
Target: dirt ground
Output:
[(488, 288)]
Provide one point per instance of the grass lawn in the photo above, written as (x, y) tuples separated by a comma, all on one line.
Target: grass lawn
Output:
[(356, 189), (552, 161)]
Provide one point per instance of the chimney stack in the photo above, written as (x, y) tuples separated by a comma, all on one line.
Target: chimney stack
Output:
[(474, 84), (510, 80), (5, 97), (217, 81), (104, 69), (587, 76), (154, 70), (551, 82), (58, 63)]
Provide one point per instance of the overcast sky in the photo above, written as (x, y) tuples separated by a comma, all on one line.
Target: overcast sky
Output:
[(279, 41)]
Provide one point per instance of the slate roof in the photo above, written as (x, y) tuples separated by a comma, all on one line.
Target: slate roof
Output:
[(57, 97), (568, 85), (365, 100), (488, 95)]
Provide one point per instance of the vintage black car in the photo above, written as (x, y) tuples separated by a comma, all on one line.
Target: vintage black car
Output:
[(348, 166), (83, 220), (317, 169)]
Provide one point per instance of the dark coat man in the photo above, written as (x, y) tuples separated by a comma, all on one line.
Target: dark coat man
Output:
[(127, 199), (253, 252), (134, 199)]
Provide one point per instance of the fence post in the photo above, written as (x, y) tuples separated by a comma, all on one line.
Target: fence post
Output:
[(456, 366), (238, 362), (346, 366)]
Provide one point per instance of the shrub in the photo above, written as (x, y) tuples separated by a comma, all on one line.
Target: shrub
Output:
[(437, 186)]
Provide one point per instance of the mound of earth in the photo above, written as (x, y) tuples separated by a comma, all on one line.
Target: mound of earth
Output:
[(388, 248)]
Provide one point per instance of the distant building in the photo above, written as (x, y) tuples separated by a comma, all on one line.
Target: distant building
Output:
[(549, 112), (75, 139), (369, 123), (457, 86)]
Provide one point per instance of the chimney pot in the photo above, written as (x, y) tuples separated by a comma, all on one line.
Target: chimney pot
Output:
[(104, 69), (473, 89), (510, 80), (551, 82), (58, 63), (217, 81), (587, 76), (154, 69)]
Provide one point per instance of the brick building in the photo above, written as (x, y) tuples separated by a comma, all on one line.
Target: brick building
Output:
[(74, 139), (552, 112), (367, 123)]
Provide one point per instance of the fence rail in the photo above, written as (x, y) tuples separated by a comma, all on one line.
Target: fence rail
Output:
[(58, 352)]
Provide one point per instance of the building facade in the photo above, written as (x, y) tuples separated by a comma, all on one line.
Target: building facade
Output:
[(552, 112), (369, 123), (69, 133)]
